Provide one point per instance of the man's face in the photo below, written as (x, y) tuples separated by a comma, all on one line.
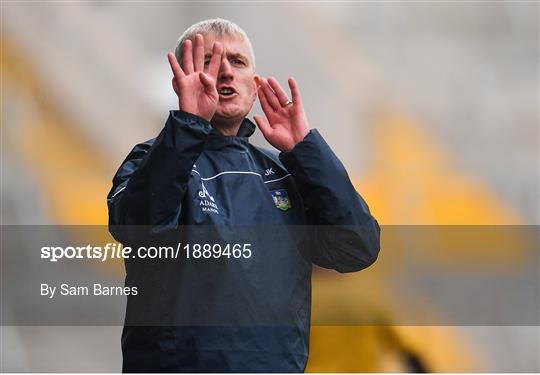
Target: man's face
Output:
[(235, 82)]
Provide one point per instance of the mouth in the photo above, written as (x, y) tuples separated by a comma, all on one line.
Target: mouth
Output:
[(226, 92)]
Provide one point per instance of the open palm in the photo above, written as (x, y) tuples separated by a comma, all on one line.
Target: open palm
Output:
[(196, 89), (286, 122)]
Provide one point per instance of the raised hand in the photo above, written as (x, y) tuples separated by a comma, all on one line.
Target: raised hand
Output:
[(286, 122), (196, 89)]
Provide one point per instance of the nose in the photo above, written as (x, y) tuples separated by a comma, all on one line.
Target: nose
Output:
[(225, 70)]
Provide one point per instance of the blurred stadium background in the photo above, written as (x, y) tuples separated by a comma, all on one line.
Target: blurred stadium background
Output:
[(432, 107)]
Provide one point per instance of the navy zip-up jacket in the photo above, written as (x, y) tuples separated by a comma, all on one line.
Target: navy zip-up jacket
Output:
[(224, 312)]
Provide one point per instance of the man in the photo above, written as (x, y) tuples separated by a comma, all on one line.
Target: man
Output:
[(238, 298)]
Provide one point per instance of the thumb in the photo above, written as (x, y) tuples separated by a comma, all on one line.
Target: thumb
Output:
[(207, 82), (265, 127)]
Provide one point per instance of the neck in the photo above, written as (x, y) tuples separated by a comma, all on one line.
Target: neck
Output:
[(226, 128)]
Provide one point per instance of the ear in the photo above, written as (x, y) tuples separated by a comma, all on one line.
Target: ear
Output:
[(175, 88), (255, 88)]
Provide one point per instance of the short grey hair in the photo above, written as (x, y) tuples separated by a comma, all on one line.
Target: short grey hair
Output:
[(218, 26)]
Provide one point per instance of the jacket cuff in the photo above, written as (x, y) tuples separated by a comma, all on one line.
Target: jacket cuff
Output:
[(306, 156), (187, 118), (309, 137)]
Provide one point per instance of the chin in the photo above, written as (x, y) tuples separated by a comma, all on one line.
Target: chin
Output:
[(230, 114)]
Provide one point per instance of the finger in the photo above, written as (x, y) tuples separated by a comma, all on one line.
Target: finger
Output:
[(266, 107), (187, 58), (265, 127), (215, 60), (208, 82), (175, 67), (198, 54), (270, 95), (295, 91), (281, 95)]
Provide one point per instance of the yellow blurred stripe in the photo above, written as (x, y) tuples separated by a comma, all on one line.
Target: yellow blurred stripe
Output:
[(70, 170), (414, 181)]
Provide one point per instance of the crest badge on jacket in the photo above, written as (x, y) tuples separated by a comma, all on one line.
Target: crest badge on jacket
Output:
[(281, 199)]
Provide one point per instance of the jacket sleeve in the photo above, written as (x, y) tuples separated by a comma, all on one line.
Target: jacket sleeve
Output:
[(150, 185), (346, 237)]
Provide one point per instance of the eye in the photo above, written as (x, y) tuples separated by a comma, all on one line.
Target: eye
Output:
[(238, 62), (206, 62)]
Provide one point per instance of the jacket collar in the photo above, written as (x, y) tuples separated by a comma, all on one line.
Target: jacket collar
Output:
[(247, 128), (216, 140)]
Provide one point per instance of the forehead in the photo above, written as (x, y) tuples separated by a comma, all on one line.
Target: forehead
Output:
[(232, 44)]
